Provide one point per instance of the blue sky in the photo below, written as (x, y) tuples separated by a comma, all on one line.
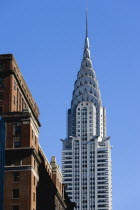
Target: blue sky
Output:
[(47, 39)]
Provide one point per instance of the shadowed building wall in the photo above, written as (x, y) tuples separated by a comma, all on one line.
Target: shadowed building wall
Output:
[(2, 160)]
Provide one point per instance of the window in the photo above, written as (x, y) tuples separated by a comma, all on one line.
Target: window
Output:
[(17, 143), (16, 176), (33, 196), (15, 85), (1, 95), (1, 81), (35, 140), (32, 134), (34, 164), (1, 66), (14, 100), (17, 130), (15, 193), (18, 163), (15, 208), (34, 180)]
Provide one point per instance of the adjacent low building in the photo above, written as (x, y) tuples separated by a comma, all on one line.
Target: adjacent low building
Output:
[(2, 159), (30, 181)]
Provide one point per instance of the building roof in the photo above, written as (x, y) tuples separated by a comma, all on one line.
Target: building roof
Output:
[(86, 86)]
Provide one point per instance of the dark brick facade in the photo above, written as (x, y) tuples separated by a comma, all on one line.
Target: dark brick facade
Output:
[(2, 160)]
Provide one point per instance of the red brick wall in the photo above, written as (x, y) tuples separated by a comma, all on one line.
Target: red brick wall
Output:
[(24, 186)]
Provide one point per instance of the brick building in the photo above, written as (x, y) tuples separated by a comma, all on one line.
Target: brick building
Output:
[(2, 159), (30, 181)]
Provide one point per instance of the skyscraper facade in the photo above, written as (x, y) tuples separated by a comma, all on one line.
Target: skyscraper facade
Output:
[(86, 155)]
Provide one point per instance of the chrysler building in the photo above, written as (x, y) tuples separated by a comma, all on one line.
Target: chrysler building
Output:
[(86, 154)]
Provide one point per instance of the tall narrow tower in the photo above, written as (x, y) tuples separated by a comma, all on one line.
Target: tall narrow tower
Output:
[(86, 155)]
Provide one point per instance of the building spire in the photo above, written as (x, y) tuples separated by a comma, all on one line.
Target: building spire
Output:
[(86, 85), (86, 38), (86, 22)]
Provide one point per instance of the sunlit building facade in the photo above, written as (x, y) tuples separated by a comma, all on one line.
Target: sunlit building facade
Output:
[(86, 155)]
